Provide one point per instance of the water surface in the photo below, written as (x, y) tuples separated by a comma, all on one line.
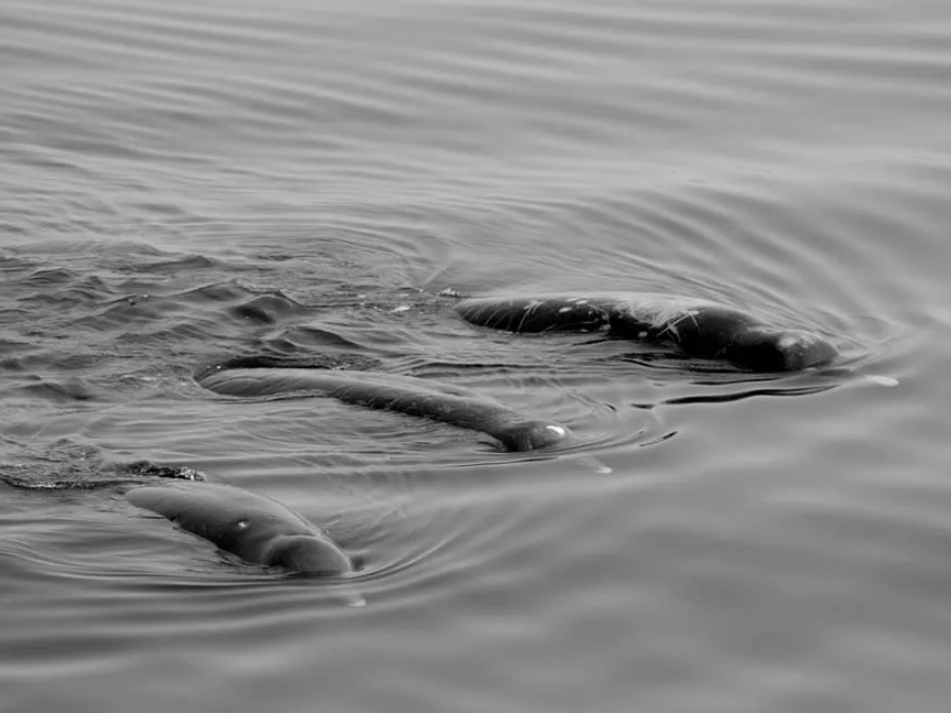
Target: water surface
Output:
[(187, 181)]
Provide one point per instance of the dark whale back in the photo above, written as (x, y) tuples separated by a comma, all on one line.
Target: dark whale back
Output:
[(695, 327), (425, 398)]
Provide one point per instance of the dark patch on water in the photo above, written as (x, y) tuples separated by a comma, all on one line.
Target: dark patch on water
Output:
[(74, 389), (268, 309), (67, 465)]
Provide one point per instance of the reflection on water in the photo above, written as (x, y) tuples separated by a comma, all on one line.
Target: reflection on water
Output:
[(190, 182)]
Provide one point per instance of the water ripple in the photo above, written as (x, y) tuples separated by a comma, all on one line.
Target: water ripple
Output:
[(185, 182)]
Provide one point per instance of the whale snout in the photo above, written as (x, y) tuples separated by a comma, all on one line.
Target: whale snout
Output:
[(801, 350), (764, 350), (533, 435), (308, 555)]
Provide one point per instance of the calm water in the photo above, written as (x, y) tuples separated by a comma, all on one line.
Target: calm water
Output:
[(187, 180)]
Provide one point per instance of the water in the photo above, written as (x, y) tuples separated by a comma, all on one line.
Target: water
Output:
[(184, 181)]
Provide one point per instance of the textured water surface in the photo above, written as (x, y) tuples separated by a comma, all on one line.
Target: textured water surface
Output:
[(184, 182)]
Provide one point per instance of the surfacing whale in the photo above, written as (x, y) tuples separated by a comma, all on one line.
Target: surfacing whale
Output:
[(426, 398), (254, 527), (696, 327), (258, 529)]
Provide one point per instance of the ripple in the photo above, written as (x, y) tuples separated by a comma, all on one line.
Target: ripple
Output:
[(186, 182)]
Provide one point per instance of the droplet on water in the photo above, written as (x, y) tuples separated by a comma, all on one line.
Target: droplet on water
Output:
[(886, 381)]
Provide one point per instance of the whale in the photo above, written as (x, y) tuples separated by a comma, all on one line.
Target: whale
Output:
[(695, 327), (426, 398), (254, 527)]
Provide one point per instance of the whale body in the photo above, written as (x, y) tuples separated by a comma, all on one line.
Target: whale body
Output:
[(697, 328), (254, 527), (425, 398)]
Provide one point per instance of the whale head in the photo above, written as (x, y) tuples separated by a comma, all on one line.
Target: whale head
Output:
[(308, 555), (790, 350), (531, 435)]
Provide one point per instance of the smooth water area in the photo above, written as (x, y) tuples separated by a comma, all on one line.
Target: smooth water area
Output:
[(182, 182)]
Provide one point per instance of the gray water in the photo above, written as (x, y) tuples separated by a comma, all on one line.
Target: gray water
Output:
[(183, 181)]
